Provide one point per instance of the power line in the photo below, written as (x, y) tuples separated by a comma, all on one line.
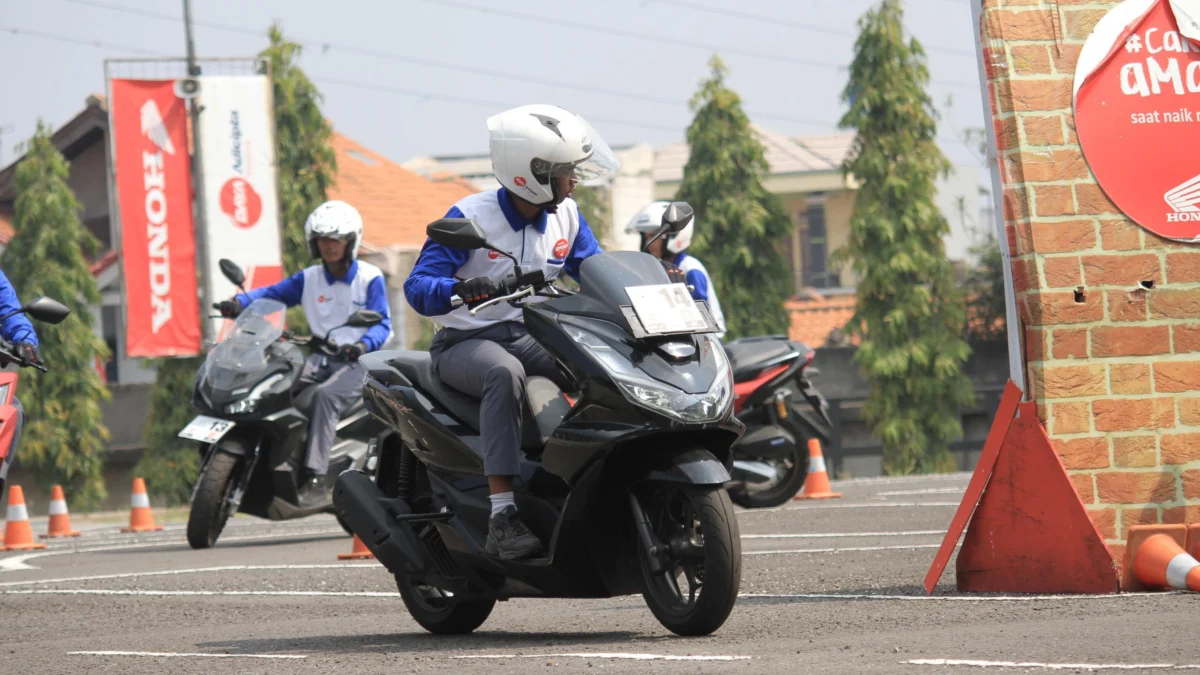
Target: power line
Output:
[(77, 41), (799, 25), (659, 39)]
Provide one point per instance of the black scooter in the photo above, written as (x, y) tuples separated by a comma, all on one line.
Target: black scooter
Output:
[(625, 487), (253, 423)]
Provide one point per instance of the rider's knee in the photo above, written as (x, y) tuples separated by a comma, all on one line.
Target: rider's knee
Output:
[(505, 375)]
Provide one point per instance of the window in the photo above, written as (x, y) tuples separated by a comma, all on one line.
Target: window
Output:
[(814, 246), (110, 319)]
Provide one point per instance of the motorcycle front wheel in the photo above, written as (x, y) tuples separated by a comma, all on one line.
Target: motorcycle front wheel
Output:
[(700, 558), (210, 509)]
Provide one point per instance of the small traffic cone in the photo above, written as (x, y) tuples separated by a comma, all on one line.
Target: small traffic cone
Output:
[(359, 552), (1161, 563), (816, 485), (140, 517), (18, 535), (60, 520)]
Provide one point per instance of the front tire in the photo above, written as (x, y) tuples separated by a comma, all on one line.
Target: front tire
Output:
[(210, 509), (700, 531), (440, 613)]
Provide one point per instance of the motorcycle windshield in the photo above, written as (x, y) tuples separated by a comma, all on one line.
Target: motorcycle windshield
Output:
[(240, 359)]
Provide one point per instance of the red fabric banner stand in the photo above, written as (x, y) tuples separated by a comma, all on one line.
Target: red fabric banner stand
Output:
[(1028, 530)]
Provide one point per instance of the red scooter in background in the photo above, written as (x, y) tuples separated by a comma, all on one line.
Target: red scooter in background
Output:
[(769, 374), (44, 310)]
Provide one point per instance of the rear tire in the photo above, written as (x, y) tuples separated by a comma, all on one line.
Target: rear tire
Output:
[(777, 494), (210, 510), (715, 561), (440, 614)]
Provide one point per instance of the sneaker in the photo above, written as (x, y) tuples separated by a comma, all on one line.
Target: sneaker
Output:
[(312, 493), (509, 539)]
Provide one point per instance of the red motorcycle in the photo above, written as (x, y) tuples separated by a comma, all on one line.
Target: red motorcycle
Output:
[(769, 373), (44, 310)]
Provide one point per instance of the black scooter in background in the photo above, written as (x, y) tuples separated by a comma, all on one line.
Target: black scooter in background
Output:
[(625, 488)]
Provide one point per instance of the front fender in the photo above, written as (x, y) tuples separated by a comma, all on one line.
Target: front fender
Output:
[(692, 467)]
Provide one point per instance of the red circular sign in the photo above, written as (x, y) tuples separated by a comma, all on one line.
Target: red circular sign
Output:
[(240, 202), (1137, 104), (520, 181), (493, 255), (560, 248)]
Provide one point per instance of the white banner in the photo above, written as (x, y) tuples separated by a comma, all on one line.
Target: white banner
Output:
[(241, 198)]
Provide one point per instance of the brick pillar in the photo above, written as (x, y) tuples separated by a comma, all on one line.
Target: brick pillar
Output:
[(1110, 312)]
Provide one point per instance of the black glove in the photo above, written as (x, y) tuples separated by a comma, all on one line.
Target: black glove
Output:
[(229, 308), (352, 352), (27, 352), (675, 274), (477, 290)]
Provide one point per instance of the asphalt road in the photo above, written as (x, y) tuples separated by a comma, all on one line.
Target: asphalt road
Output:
[(828, 587)]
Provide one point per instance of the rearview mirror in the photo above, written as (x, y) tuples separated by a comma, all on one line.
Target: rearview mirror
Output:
[(47, 310), (232, 272), (460, 233), (364, 318), (677, 216)]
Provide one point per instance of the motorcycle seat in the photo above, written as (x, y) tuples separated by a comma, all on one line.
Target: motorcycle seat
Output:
[(748, 358), (546, 405)]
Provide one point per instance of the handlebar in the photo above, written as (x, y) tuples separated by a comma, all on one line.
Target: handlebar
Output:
[(8, 353), (513, 288)]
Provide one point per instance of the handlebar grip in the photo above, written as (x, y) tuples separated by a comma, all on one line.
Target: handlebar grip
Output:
[(456, 301)]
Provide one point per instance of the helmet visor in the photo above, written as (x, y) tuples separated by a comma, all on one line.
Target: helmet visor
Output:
[(600, 163)]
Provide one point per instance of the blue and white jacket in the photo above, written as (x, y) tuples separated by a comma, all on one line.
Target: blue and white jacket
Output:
[(15, 328), (328, 301), (702, 287), (552, 242)]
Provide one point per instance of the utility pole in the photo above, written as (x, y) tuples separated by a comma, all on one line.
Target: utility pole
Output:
[(201, 219)]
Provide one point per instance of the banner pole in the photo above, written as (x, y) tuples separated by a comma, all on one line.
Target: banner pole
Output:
[(201, 215)]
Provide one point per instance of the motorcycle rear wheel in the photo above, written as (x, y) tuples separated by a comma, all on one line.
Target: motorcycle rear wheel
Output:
[(788, 485), (700, 530), (438, 612)]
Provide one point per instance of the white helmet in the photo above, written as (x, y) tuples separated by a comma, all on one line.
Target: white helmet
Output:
[(649, 221), (533, 143), (337, 220)]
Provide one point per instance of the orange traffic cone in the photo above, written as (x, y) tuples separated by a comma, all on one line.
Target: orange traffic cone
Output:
[(60, 520), (359, 552), (140, 517), (816, 485), (1160, 563), (18, 535)]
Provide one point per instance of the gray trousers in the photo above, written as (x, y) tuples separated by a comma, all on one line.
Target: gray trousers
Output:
[(492, 364), (338, 386)]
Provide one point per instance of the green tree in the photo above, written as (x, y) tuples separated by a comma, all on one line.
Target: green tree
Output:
[(910, 314), (171, 464), (985, 290), (739, 222), (307, 163), (594, 204), (64, 437)]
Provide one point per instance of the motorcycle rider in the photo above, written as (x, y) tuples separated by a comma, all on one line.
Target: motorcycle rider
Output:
[(330, 292), (19, 331), (672, 249), (539, 154)]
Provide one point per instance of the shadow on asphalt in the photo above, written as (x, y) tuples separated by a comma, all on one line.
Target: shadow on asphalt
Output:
[(174, 547), (419, 641)]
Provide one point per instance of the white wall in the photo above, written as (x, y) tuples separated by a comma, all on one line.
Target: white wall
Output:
[(958, 199)]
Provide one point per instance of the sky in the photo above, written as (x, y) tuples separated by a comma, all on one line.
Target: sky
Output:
[(408, 78)]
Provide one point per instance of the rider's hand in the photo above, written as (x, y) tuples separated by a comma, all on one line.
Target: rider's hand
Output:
[(352, 352), (477, 290), (229, 308), (675, 274), (27, 352)]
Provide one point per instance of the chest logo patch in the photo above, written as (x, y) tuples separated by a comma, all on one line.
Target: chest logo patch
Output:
[(561, 248)]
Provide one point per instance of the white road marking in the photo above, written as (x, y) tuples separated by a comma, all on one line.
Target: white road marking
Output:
[(926, 491), (172, 594), (854, 549), (838, 535), (949, 598), (827, 506), (603, 655), (194, 570), (875, 480), (19, 562), (190, 655), (1053, 666)]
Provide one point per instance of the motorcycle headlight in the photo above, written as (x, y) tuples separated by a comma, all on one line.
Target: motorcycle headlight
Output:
[(250, 403), (650, 393)]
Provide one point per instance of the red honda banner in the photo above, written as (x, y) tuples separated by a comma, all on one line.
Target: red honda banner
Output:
[(158, 243)]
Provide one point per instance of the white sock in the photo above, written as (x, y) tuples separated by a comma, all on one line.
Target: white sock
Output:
[(502, 501)]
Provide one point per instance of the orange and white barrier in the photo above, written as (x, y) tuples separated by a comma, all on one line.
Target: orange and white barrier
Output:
[(816, 485), (60, 519), (359, 552), (140, 517), (1161, 563), (18, 535)]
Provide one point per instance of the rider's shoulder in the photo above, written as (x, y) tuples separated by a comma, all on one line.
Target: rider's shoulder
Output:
[(368, 271)]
